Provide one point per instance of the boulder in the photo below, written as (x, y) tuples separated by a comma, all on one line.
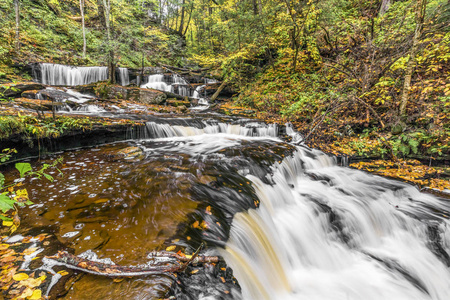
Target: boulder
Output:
[(150, 96), (146, 96), (16, 89), (55, 95)]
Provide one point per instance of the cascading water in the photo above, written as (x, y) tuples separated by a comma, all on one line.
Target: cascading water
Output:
[(155, 130), (176, 84), (54, 74), (157, 82), (288, 221), (124, 76), (327, 232)]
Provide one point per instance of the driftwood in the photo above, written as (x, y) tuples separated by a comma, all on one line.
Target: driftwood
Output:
[(200, 259), (111, 270)]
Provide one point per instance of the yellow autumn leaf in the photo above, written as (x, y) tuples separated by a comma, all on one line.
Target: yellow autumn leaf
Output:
[(4, 246), (170, 248), (20, 276), (8, 223), (195, 224), (30, 282), (29, 251), (26, 293), (194, 271), (37, 294), (63, 272)]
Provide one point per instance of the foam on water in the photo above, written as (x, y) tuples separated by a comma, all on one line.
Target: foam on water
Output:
[(327, 232)]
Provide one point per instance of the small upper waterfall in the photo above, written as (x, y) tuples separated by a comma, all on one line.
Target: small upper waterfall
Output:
[(174, 84), (157, 82), (197, 91), (325, 232), (63, 75), (54, 74), (124, 76)]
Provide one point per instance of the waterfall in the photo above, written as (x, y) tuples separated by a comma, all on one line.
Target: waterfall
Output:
[(124, 76), (326, 232), (197, 91), (157, 82), (155, 130), (54, 74), (177, 84)]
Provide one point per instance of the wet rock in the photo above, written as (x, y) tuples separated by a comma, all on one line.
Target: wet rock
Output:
[(178, 103), (92, 240), (30, 94), (55, 95), (41, 105), (67, 233), (16, 89), (130, 153)]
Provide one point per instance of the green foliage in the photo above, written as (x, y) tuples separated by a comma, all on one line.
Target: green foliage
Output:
[(32, 127), (12, 195), (51, 31)]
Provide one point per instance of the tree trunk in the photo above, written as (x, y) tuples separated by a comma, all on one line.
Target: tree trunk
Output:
[(180, 31), (420, 15), (189, 21), (17, 12), (111, 65), (255, 7), (384, 7), (83, 27), (101, 11)]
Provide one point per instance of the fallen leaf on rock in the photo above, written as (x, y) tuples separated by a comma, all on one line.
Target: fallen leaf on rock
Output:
[(20, 276)]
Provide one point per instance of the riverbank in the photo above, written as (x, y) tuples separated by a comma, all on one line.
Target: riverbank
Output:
[(363, 152)]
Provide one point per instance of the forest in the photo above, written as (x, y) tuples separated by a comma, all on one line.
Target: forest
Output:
[(366, 82)]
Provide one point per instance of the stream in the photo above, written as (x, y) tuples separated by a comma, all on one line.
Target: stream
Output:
[(287, 220)]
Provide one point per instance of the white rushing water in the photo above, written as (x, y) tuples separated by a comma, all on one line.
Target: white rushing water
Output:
[(155, 130), (176, 85), (157, 82), (54, 74), (326, 232), (124, 76)]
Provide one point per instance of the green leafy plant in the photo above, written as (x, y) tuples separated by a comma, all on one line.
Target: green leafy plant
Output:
[(12, 194)]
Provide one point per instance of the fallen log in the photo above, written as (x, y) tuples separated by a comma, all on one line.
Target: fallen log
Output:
[(111, 270), (221, 87), (200, 259)]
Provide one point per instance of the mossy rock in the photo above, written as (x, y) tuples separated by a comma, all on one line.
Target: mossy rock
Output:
[(178, 103)]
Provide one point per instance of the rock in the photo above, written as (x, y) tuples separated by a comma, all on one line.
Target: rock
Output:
[(16, 89), (55, 95), (150, 96), (36, 104), (91, 240), (30, 94), (146, 96), (397, 129), (129, 153), (178, 103)]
